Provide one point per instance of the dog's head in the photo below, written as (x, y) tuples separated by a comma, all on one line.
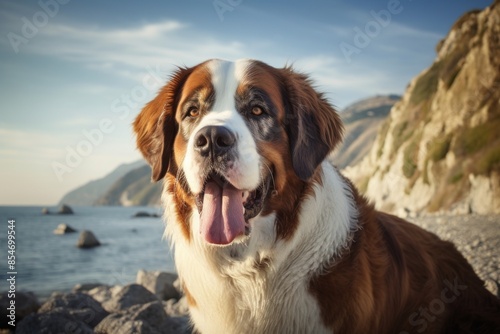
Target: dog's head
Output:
[(236, 141)]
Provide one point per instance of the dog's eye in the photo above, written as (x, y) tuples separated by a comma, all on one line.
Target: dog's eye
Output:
[(193, 112), (257, 111)]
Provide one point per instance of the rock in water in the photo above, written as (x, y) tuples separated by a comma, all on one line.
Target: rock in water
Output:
[(140, 214), (63, 229), (65, 210), (45, 211), (87, 239)]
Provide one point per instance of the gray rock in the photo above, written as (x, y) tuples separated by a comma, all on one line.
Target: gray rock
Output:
[(57, 321), (129, 295), (116, 323), (159, 283), (45, 211), (79, 305), (178, 286), (63, 229), (65, 210), (25, 303), (101, 293), (87, 239), (492, 286), (149, 318), (176, 308)]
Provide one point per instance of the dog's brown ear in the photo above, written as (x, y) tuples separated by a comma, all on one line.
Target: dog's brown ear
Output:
[(314, 128), (156, 127)]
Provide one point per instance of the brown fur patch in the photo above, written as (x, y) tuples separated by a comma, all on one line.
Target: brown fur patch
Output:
[(183, 205), (155, 126), (189, 297), (199, 82)]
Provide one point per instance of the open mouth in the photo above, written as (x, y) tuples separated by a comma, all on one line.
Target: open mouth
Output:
[(225, 211)]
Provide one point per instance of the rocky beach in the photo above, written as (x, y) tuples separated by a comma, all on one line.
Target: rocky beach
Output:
[(154, 304), (477, 237)]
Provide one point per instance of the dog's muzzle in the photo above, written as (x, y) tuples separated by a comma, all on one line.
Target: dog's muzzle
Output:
[(225, 209)]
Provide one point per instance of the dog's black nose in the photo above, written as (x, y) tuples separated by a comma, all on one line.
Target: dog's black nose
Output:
[(214, 140)]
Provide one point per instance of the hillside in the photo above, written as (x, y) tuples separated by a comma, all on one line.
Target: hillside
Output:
[(361, 121), (133, 188), (439, 149), (89, 193)]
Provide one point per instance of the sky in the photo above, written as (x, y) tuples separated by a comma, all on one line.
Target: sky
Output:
[(74, 74)]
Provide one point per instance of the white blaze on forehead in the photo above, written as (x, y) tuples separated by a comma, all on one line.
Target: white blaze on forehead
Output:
[(226, 76)]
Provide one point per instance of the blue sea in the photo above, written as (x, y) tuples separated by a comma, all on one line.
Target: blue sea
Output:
[(46, 262)]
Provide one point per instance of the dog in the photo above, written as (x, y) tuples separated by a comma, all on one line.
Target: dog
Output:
[(269, 237)]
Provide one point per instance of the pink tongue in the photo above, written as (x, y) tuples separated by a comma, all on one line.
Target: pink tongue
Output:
[(222, 214)]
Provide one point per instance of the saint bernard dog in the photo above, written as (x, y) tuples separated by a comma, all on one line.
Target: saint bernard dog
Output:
[(269, 237)]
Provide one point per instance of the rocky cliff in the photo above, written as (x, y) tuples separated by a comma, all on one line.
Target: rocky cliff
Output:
[(134, 188), (127, 185), (439, 149), (89, 193)]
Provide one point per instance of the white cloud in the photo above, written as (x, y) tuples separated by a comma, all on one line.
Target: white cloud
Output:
[(343, 83), (127, 51), (395, 29)]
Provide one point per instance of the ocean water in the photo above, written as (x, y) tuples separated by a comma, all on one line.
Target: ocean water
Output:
[(46, 262)]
